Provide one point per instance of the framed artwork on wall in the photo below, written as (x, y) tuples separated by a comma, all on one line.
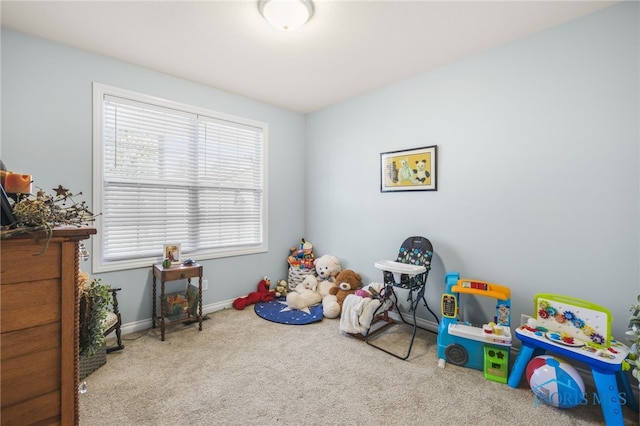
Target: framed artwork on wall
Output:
[(172, 252), (409, 170)]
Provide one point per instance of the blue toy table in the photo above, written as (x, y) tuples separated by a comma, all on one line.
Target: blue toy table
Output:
[(605, 364)]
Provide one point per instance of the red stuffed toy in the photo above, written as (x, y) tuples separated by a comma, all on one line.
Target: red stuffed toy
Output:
[(262, 295)]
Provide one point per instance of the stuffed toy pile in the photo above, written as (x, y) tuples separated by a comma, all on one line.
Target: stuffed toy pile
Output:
[(327, 267), (262, 295), (301, 256)]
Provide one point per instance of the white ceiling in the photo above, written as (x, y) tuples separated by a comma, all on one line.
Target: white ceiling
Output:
[(346, 49)]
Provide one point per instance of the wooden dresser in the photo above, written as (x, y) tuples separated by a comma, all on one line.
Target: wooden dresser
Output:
[(39, 314)]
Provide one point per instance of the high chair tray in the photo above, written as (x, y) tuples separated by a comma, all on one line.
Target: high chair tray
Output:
[(400, 268)]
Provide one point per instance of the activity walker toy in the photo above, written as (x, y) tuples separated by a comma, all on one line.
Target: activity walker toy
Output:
[(483, 348), (581, 331)]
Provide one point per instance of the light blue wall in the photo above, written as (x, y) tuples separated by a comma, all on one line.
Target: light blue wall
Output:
[(46, 132), (538, 183), (538, 153)]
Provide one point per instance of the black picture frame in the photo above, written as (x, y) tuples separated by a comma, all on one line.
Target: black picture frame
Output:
[(413, 169)]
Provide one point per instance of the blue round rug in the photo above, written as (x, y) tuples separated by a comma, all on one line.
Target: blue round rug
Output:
[(278, 311)]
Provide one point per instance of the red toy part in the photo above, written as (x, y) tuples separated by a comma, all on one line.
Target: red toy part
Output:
[(262, 295)]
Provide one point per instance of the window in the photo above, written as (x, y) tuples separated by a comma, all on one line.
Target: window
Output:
[(171, 173)]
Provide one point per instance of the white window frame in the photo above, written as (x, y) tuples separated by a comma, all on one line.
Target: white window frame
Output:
[(100, 264)]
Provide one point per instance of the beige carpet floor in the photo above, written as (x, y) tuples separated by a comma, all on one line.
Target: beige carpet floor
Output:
[(244, 370)]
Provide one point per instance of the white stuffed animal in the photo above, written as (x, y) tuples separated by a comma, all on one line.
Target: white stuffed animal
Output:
[(405, 174), (305, 294), (327, 267)]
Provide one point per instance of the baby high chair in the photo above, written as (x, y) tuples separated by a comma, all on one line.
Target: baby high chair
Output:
[(409, 271)]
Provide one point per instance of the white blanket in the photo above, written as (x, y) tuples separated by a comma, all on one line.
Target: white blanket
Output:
[(357, 313)]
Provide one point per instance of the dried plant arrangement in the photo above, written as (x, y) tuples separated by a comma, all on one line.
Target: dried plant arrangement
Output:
[(44, 212)]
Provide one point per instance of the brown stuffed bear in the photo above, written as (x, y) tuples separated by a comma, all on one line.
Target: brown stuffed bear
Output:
[(348, 282)]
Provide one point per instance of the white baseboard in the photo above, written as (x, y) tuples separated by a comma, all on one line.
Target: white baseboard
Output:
[(422, 323), (132, 327)]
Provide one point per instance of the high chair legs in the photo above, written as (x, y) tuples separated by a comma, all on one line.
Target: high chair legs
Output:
[(370, 337)]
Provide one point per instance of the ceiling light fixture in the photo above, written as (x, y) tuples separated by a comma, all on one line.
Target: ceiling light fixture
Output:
[(286, 15)]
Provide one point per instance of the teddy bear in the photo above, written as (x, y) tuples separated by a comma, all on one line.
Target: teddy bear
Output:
[(405, 174), (305, 294), (421, 172), (282, 288), (262, 295), (327, 267), (348, 283), (392, 172)]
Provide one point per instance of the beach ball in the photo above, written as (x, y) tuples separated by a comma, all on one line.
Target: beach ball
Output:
[(555, 382), (533, 364)]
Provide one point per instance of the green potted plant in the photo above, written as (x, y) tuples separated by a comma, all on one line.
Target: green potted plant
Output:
[(633, 336), (94, 300)]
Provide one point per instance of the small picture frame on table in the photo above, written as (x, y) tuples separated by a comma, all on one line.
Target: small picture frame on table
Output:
[(172, 253), (409, 170)]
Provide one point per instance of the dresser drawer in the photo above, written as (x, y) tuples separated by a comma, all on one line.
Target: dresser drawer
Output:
[(30, 376), (30, 304), (34, 339), (43, 409), (20, 265)]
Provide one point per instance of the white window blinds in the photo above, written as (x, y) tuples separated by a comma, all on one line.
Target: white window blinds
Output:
[(170, 175)]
